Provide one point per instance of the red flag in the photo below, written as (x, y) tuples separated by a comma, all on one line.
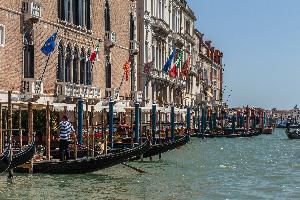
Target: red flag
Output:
[(126, 68), (94, 53), (148, 67), (186, 67), (173, 71)]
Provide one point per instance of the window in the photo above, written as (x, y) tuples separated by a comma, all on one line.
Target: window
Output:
[(107, 16), (28, 55), (2, 35), (60, 67), (187, 26), (75, 66), (77, 12), (82, 67), (28, 61)]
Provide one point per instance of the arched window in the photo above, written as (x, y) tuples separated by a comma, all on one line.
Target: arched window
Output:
[(82, 67), (68, 64), (89, 70), (75, 65), (60, 66)]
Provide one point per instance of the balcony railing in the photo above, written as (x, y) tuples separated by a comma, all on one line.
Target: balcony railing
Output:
[(64, 90), (32, 86), (160, 26)]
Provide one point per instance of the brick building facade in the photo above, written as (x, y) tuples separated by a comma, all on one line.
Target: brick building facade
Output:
[(80, 25)]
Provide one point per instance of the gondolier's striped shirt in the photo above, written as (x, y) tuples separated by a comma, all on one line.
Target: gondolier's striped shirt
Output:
[(66, 129)]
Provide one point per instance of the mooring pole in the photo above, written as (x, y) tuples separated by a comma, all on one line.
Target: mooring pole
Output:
[(1, 133), (30, 123), (203, 121), (20, 128), (80, 120), (159, 133), (188, 119), (10, 132), (111, 123), (87, 127), (172, 123), (137, 122), (153, 123), (93, 130), (48, 140)]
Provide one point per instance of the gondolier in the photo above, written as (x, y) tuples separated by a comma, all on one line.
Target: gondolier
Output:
[(65, 130)]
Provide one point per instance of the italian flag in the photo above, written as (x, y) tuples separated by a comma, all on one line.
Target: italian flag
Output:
[(173, 71)]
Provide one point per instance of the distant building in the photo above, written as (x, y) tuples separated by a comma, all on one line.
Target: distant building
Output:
[(283, 115)]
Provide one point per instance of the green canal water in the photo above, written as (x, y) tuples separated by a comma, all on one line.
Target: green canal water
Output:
[(263, 167)]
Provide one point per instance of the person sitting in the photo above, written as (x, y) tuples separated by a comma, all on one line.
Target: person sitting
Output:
[(65, 130)]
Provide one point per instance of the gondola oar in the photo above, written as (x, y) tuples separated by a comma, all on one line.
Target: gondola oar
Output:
[(134, 168)]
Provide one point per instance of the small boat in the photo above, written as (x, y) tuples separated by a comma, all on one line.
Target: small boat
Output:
[(293, 135), (166, 146), (268, 130), (18, 159), (89, 164)]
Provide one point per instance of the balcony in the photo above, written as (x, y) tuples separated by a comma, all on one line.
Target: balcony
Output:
[(32, 88), (194, 70), (160, 27), (178, 39), (69, 91), (188, 38), (134, 47)]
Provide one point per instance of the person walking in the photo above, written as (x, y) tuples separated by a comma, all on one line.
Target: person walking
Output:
[(65, 130)]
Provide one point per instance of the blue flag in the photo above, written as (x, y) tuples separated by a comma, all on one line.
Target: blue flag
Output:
[(49, 45), (169, 61)]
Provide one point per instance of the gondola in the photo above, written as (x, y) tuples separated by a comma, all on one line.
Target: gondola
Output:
[(22, 156), (293, 135), (18, 159), (166, 146), (91, 164)]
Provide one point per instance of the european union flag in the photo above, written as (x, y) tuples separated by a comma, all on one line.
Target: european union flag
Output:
[(169, 61), (49, 45)]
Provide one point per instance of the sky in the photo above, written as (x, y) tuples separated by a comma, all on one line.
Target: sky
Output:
[(260, 40)]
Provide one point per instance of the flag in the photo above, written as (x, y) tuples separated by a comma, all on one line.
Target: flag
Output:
[(94, 53), (173, 71), (49, 45), (186, 67), (178, 61), (169, 61), (126, 68), (148, 67)]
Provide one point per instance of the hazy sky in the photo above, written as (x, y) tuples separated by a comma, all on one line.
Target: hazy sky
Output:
[(261, 44)]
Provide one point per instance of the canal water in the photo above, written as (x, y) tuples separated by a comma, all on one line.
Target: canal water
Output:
[(263, 167)]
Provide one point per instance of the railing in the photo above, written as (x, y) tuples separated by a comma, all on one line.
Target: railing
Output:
[(64, 89), (32, 86)]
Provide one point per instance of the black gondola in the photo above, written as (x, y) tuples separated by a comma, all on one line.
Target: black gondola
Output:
[(166, 146), (18, 159), (85, 165), (22, 156), (293, 135)]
